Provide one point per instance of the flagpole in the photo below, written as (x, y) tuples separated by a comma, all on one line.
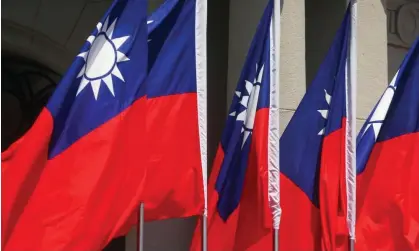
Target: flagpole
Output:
[(275, 121), (276, 239), (140, 232), (201, 68), (204, 232), (351, 127)]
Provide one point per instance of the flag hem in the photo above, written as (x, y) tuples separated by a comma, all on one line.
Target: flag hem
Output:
[(201, 86), (350, 131), (273, 140)]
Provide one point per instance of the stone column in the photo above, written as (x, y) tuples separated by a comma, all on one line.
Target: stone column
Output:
[(402, 25), (244, 18), (323, 18), (293, 58), (372, 56)]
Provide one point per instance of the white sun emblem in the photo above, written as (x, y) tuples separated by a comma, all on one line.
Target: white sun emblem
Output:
[(325, 113), (380, 112), (250, 102), (101, 60)]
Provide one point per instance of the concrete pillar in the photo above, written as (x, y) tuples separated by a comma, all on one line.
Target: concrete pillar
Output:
[(323, 19), (372, 56), (402, 19), (293, 56), (244, 18)]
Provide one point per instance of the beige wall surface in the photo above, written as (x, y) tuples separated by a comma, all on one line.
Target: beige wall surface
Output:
[(308, 27), (247, 13), (372, 56)]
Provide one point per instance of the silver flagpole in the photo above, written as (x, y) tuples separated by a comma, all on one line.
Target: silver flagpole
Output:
[(201, 77), (204, 232), (140, 244), (276, 239), (351, 140), (276, 33)]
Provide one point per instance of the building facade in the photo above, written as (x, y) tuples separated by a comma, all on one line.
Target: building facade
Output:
[(40, 38)]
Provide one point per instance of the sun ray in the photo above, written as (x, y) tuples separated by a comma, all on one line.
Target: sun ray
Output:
[(150, 21), (244, 101), (105, 25), (376, 127), (383, 105), (241, 116), (83, 84), (90, 39), (99, 26), (366, 129), (118, 42), (238, 94), (109, 32), (328, 97), (83, 55), (108, 82), (117, 73), (121, 57), (95, 87), (324, 113), (249, 87), (81, 73), (233, 113), (245, 136)]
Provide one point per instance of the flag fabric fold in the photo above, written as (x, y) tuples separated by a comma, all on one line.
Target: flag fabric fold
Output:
[(68, 184), (313, 158), (274, 117), (160, 23), (239, 217), (388, 165), (123, 127), (176, 122)]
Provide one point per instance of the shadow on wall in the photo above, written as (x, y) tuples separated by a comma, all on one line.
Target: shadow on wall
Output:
[(25, 90), (321, 26), (402, 30)]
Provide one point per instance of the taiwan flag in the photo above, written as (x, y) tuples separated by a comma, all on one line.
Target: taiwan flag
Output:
[(160, 24), (176, 125), (72, 181), (388, 165), (239, 202), (312, 156)]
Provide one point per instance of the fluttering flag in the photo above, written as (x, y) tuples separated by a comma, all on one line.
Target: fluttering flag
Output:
[(73, 180), (312, 157), (176, 125), (388, 165), (240, 217), (160, 23)]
